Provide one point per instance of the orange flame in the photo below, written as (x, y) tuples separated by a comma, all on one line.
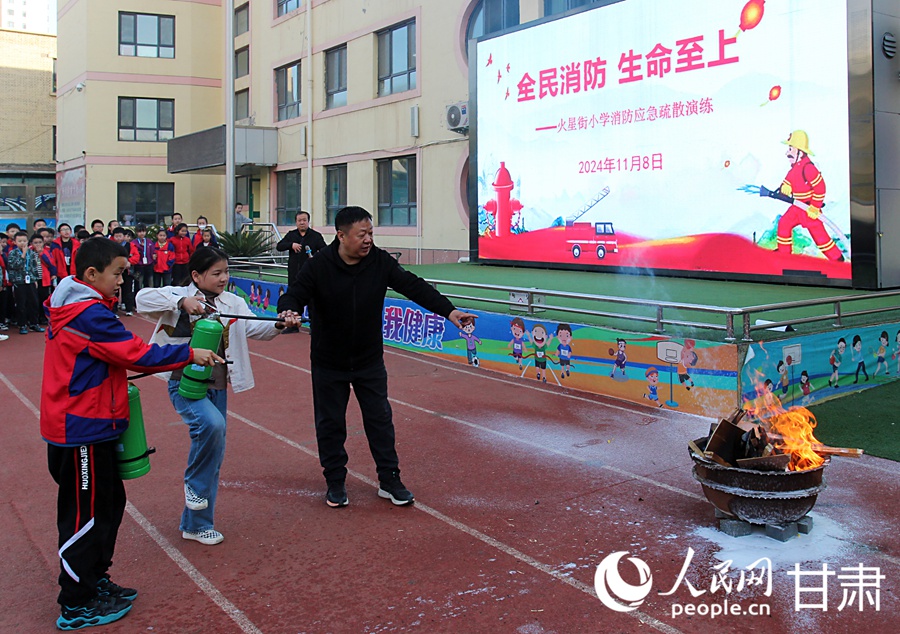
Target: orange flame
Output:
[(774, 93), (789, 430), (752, 14), (795, 428)]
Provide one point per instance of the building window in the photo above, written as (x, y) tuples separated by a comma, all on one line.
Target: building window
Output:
[(53, 78), (53, 143), (241, 105), (148, 203), (490, 16), (286, 6), (287, 87), (552, 7), (288, 203), (397, 191), (336, 77), (242, 20), (146, 35), (397, 59), (146, 119), (241, 62), (335, 191)]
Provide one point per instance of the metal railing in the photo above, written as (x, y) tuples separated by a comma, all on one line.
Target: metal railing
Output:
[(723, 318)]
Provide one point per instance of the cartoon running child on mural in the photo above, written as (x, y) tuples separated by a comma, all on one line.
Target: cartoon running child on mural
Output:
[(896, 354), (564, 349), (540, 341), (880, 355), (621, 359), (805, 387), (467, 334), (517, 327), (782, 370), (652, 392), (859, 358), (805, 184), (836, 358), (686, 362)]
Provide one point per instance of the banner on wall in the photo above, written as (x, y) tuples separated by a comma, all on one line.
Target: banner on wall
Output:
[(707, 136), (697, 377), (71, 192), (813, 368)]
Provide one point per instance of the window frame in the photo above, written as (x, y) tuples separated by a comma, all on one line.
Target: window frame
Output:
[(143, 216), (283, 7), (243, 51), (237, 95), (331, 206), (386, 79), (286, 215), (243, 9), (136, 45), (335, 97), (134, 123), (390, 212), (284, 107)]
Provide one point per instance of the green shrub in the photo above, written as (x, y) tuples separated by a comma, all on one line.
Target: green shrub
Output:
[(245, 244)]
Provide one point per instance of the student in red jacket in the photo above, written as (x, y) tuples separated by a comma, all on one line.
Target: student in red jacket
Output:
[(48, 277), (84, 410), (4, 286), (163, 256), (183, 247), (63, 252)]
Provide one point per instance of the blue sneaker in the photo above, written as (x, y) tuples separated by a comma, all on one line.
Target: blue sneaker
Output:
[(106, 588), (98, 611)]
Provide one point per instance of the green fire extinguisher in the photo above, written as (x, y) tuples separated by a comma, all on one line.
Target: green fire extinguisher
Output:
[(132, 454), (195, 378)]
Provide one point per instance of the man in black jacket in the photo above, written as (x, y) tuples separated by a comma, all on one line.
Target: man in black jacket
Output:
[(301, 243), (344, 286)]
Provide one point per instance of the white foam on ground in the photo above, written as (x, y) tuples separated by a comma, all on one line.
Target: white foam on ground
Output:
[(827, 542)]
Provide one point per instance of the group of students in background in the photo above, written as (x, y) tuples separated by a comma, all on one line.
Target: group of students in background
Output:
[(31, 265)]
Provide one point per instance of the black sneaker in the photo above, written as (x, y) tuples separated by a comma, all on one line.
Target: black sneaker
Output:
[(106, 588), (97, 611), (36, 328), (337, 494), (391, 488)]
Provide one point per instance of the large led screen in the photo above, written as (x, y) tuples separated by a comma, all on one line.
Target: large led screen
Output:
[(703, 136)]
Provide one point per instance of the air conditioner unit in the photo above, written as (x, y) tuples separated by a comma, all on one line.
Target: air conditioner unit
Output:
[(458, 117)]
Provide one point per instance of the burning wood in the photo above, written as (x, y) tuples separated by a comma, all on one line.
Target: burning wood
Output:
[(769, 439)]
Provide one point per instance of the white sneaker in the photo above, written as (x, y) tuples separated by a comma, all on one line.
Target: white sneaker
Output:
[(4, 337), (210, 537), (194, 501)]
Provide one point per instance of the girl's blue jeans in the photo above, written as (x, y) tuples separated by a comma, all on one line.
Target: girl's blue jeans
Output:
[(205, 419)]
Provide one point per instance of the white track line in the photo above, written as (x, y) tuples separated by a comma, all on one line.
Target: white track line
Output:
[(233, 612), (490, 541), (516, 439), (174, 554)]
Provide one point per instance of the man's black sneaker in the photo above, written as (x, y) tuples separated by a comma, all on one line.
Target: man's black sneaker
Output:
[(337, 494), (98, 611), (106, 588), (391, 488)]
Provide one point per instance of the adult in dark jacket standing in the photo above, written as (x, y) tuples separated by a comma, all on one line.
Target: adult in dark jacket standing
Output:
[(301, 244), (344, 286)]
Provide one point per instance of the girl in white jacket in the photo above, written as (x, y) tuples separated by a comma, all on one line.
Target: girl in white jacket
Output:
[(176, 308)]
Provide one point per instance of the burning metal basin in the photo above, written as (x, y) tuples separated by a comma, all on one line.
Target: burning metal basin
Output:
[(758, 497)]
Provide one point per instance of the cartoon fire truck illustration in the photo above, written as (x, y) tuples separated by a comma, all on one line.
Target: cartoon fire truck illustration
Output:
[(599, 237)]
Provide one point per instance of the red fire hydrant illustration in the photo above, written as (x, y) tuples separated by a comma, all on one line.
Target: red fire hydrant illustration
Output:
[(503, 206)]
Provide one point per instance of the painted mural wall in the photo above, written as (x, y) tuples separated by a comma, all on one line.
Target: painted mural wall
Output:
[(697, 377)]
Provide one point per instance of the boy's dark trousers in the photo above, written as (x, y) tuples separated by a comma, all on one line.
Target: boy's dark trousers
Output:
[(43, 296), (89, 509), (26, 304), (143, 276), (7, 304), (128, 290)]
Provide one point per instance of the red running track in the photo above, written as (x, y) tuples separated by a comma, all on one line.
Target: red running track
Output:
[(522, 490)]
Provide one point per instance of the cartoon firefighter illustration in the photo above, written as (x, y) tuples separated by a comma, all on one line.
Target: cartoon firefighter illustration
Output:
[(804, 183)]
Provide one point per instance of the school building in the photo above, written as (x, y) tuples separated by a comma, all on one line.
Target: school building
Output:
[(333, 102)]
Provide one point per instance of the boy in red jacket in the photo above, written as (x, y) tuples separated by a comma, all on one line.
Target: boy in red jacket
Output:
[(84, 410)]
